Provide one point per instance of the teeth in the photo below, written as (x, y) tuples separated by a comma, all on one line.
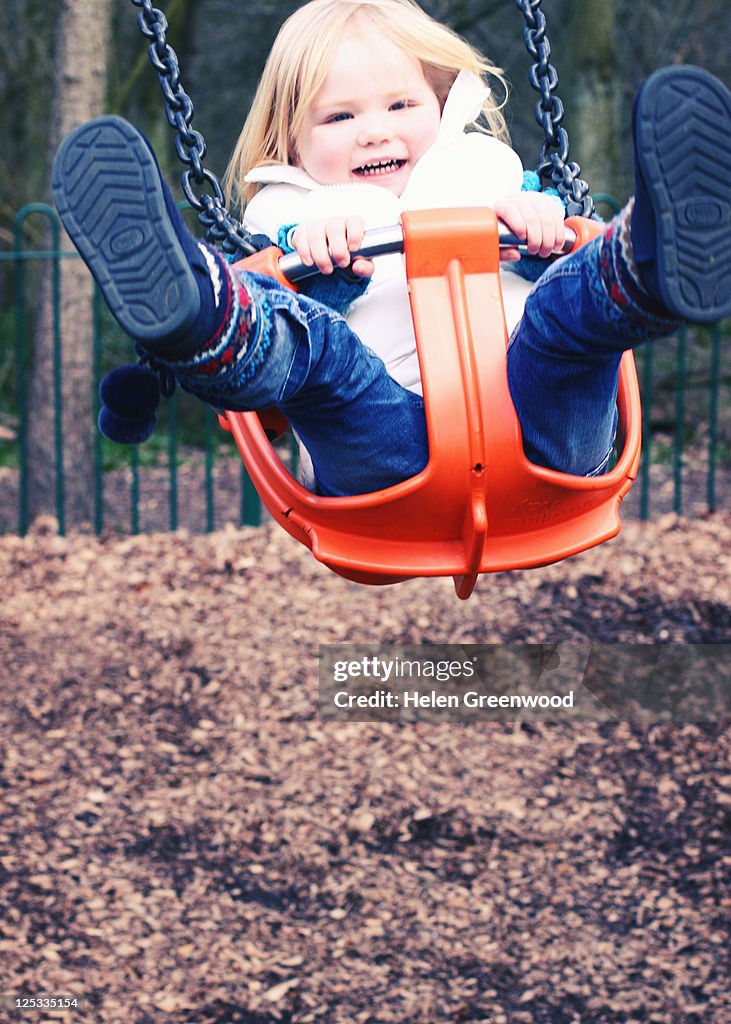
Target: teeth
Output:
[(382, 167)]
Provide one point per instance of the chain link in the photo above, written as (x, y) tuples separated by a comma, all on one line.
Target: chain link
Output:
[(221, 228), (554, 166)]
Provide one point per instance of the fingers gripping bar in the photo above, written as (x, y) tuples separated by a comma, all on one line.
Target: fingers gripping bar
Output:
[(388, 240)]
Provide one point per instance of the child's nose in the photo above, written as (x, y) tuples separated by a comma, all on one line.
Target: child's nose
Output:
[(375, 130)]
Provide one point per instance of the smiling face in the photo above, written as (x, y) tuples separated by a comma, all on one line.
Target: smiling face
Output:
[(374, 116)]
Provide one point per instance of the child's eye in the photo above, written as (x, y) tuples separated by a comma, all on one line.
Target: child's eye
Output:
[(401, 104), (340, 116)]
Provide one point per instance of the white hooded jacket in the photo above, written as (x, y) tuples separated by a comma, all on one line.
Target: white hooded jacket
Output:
[(459, 169)]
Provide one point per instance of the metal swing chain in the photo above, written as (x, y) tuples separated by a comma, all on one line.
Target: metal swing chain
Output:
[(553, 158), (222, 229)]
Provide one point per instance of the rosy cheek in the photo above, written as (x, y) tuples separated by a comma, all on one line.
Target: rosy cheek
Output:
[(332, 162)]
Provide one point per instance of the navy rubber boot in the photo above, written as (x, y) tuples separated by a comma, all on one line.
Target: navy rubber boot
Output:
[(121, 217), (681, 222)]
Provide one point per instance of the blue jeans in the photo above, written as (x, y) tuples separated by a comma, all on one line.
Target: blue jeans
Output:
[(364, 431)]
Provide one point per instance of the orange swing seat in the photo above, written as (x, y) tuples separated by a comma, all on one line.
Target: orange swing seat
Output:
[(479, 505)]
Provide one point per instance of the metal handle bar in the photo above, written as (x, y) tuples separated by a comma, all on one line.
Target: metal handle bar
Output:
[(387, 240)]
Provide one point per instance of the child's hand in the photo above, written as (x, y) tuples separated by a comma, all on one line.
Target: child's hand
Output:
[(329, 243), (536, 218)]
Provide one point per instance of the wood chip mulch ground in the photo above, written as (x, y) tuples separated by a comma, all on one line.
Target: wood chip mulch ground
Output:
[(183, 839)]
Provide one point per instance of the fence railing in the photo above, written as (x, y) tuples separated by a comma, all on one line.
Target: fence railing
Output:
[(189, 475)]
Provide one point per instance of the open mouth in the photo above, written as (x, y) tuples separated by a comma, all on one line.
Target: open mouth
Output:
[(379, 167)]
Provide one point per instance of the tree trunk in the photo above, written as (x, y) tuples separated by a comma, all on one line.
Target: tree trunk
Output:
[(593, 100), (79, 94)]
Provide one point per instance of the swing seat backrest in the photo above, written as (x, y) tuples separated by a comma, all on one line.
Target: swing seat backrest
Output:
[(479, 505)]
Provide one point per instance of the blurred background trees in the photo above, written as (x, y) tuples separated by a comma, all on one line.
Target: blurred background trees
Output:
[(602, 49)]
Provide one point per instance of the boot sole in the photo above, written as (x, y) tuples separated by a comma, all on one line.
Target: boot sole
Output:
[(108, 193), (682, 145)]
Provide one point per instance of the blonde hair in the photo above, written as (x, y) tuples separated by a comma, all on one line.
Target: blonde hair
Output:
[(298, 64)]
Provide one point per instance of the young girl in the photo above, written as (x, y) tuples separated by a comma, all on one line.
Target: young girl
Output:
[(361, 113)]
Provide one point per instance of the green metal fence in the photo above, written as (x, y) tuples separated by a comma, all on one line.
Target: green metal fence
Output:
[(190, 474)]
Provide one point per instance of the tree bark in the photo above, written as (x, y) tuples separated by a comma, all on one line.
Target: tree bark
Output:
[(593, 114), (79, 94)]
